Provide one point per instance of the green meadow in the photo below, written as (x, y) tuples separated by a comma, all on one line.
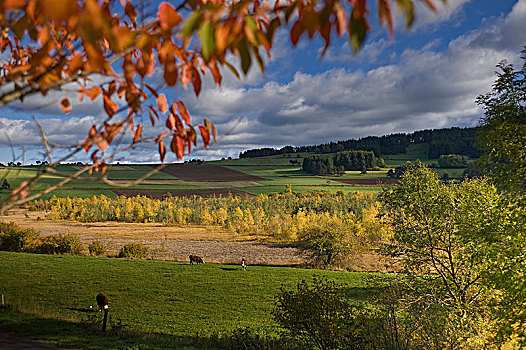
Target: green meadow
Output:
[(151, 299)]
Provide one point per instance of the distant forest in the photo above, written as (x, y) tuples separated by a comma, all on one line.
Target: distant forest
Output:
[(441, 142)]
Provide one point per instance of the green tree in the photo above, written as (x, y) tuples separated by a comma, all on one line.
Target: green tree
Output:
[(502, 136), (438, 228)]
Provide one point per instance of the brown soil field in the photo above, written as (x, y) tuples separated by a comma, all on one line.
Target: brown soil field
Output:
[(214, 244), (156, 194), (191, 172), (367, 181)]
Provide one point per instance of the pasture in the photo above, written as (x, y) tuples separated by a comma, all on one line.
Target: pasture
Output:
[(154, 299)]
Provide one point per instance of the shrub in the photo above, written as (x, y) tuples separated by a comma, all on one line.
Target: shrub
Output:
[(62, 243), (16, 239), (319, 315), (96, 248), (134, 250)]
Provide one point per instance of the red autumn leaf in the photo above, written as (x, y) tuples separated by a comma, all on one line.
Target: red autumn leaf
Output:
[(196, 80), (65, 105), (296, 31), (177, 146), (152, 90), (162, 104), (138, 133), (162, 150), (168, 16), (170, 71), (152, 119), (205, 135), (183, 112)]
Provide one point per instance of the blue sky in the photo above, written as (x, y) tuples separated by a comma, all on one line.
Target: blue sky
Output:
[(426, 77)]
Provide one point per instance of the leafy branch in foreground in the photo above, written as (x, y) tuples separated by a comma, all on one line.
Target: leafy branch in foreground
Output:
[(108, 51)]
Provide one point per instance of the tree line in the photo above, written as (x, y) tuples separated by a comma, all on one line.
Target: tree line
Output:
[(279, 215), (337, 164), (441, 142)]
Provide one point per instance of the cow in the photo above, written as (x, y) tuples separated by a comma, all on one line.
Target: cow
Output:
[(197, 259), (102, 301), (244, 263)]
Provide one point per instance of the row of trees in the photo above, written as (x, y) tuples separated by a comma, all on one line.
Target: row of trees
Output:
[(441, 141), (337, 164), (279, 215)]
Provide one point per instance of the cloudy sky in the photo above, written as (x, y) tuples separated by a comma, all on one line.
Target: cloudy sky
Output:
[(427, 77)]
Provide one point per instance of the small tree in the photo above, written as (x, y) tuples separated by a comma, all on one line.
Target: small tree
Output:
[(328, 240)]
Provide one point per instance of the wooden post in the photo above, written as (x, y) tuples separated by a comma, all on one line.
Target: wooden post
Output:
[(105, 318), (3, 300)]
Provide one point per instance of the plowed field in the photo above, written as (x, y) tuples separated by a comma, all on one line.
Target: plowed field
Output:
[(191, 172)]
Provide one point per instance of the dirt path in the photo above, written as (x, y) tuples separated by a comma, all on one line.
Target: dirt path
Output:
[(13, 342)]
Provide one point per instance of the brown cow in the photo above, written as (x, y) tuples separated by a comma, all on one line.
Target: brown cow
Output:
[(197, 259), (102, 301)]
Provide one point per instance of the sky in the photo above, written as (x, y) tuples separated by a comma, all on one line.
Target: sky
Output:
[(427, 77)]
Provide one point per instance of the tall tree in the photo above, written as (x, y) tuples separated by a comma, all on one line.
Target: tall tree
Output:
[(502, 136)]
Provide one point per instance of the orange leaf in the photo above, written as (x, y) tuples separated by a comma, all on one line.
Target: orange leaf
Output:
[(177, 146), (170, 71), (162, 150), (162, 104), (92, 133), (160, 137), (65, 105), (138, 133), (170, 121), (103, 145), (93, 92), (183, 112), (168, 16), (205, 135), (109, 106)]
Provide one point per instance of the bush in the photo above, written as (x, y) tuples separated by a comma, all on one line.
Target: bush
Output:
[(16, 239), (62, 243), (319, 315), (134, 250), (96, 248)]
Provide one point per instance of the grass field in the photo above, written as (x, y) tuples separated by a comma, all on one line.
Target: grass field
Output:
[(170, 299)]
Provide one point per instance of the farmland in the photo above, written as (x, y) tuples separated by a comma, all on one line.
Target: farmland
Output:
[(249, 176)]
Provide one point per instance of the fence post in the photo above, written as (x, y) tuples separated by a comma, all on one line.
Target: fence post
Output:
[(3, 304), (105, 318)]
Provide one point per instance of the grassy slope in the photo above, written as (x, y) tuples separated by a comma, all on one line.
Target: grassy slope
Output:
[(174, 299)]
